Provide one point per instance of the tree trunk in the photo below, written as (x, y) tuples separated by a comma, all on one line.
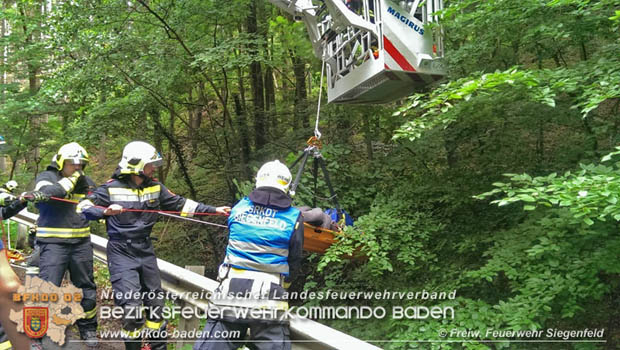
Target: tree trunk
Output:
[(301, 94), (244, 143), (195, 118), (366, 125), (178, 151), (158, 140), (256, 77), (4, 48), (270, 94)]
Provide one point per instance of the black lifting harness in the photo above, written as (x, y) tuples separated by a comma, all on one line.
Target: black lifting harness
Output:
[(314, 149)]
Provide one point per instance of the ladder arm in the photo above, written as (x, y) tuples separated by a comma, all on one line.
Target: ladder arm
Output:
[(318, 25), (343, 17), (294, 7)]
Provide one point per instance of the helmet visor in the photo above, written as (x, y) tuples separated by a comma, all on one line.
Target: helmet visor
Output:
[(156, 163), (77, 161)]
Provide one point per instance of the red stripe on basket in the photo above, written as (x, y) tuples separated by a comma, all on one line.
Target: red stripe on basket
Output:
[(396, 55)]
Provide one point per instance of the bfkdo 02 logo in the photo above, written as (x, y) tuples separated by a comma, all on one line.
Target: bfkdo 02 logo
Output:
[(36, 320)]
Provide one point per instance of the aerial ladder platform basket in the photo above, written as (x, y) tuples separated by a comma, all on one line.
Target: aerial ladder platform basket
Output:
[(376, 51)]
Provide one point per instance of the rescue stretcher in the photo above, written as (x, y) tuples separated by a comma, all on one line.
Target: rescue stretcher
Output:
[(318, 239)]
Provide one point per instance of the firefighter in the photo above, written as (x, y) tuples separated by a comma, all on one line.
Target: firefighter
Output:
[(264, 253), (9, 282), (131, 258), (63, 235)]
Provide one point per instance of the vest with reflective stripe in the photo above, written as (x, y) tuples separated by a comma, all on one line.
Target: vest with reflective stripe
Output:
[(132, 225), (58, 222), (259, 237)]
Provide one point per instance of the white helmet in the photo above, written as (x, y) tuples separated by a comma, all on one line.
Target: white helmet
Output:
[(274, 174), (136, 155), (73, 152), (11, 185)]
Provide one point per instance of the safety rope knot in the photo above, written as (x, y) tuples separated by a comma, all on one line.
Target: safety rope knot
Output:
[(314, 141)]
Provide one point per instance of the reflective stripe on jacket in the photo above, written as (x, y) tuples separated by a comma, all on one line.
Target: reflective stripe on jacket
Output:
[(152, 195), (260, 236), (58, 221)]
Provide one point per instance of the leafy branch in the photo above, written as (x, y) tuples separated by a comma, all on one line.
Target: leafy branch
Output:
[(590, 194)]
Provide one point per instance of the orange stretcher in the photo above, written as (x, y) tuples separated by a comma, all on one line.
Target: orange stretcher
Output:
[(318, 239), (14, 255)]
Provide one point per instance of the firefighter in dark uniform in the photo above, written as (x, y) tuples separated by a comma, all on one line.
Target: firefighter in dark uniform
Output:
[(264, 252), (9, 282), (63, 235), (131, 258)]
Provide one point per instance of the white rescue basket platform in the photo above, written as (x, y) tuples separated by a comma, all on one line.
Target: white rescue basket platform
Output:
[(376, 51)]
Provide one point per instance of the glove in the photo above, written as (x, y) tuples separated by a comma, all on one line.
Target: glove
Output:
[(35, 196), (6, 199), (113, 209), (68, 183), (76, 176), (32, 235)]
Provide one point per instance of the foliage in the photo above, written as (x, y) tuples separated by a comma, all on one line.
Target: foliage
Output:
[(590, 193), (220, 87), (533, 86)]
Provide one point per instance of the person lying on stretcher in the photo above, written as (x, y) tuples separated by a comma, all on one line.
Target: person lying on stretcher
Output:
[(317, 217)]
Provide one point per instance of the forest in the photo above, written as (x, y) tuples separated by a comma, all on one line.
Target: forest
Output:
[(499, 183)]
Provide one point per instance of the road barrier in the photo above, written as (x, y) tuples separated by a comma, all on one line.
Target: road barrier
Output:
[(305, 334)]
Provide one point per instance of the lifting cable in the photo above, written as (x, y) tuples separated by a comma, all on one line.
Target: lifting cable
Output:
[(314, 147), (317, 133), (170, 213)]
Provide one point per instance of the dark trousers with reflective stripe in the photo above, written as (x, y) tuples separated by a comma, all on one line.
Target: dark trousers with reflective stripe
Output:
[(56, 258), (4, 340), (267, 336), (133, 271)]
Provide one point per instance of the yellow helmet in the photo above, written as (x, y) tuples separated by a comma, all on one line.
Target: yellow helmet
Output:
[(136, 155), (274, 174), (73, 152)]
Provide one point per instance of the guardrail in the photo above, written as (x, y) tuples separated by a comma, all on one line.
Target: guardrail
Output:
[(305, 334)]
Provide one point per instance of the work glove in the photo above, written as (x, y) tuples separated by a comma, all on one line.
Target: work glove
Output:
[(6, 199), (68, 183), (76, 176), (223, 210), (35, 196), (32, 235), (113, 210)]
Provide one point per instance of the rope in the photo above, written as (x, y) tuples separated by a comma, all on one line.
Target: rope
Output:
[(170, 213), (193, 220), (317, 133), (72, 201)]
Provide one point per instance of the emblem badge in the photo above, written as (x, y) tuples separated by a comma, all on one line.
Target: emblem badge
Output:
[(35, 321)]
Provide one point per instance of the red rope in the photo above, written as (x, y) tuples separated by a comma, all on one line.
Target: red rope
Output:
[(139, 210)]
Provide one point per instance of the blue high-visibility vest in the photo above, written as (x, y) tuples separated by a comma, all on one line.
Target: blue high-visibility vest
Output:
[(259, 237)]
